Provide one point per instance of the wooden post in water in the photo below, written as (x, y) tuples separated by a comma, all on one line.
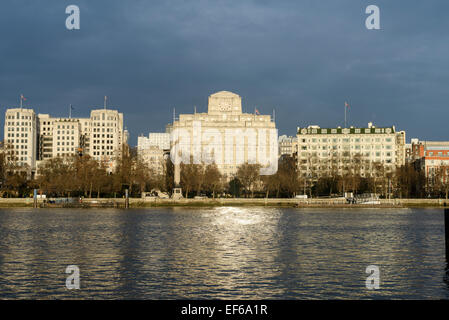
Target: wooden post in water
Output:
[(446, 231), (126, 199)]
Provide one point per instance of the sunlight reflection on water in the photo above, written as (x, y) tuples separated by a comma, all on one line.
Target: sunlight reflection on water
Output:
[(222, 253)]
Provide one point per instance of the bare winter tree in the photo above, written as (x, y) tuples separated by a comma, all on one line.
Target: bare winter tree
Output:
[(248, 175)]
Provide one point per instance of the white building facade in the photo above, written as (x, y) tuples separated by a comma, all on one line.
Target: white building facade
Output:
[(152, 150), (35, 138), (225, 136), (160, 140), (107, 136), (287, 145), (321, 150), (20, 136), (154, 158)]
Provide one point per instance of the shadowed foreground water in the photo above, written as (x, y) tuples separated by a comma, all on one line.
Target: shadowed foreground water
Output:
[(222, 253)]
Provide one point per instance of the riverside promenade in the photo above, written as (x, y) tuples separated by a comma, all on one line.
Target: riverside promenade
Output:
[(273, 202)]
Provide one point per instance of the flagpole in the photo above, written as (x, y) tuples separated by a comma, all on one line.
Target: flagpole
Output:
[(345, 115), (70, 111)]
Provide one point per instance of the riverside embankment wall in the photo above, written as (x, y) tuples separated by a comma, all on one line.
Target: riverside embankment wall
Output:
[(315, 202)]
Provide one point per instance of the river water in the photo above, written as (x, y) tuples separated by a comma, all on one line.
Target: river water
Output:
[(222, 253)]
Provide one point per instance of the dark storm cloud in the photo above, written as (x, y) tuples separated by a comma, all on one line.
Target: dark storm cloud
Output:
[(304, 58)]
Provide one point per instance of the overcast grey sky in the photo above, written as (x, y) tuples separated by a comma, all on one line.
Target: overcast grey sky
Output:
[(304, 58)]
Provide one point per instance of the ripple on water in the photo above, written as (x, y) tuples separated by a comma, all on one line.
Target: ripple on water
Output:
[(222, 253)]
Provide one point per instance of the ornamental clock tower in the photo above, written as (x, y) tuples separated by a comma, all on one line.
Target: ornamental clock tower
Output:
[(225, 102)]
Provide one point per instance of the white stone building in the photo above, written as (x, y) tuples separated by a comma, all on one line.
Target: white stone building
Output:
[(225, 136), (38, 138), (287, 145), (62, 136), (323, 149), (155, 139), (154, 157), (107, 136), (152, 149), (20, 136)]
